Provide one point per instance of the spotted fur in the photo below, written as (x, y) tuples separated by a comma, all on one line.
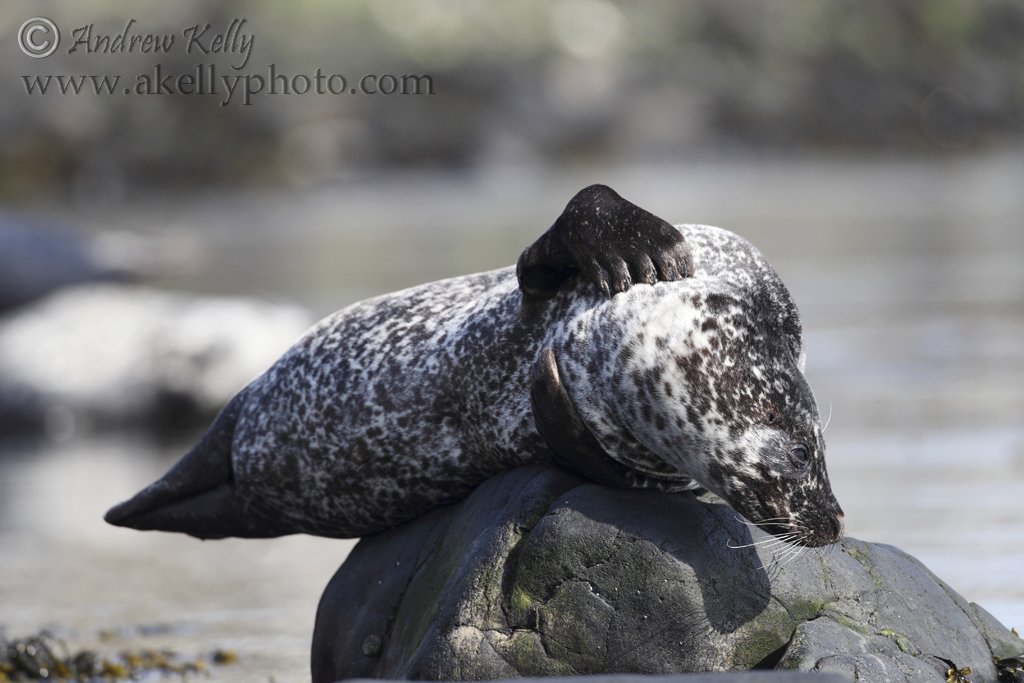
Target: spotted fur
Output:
[(404, 402)]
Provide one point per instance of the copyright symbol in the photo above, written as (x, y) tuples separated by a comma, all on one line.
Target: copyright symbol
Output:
[(38, 37)]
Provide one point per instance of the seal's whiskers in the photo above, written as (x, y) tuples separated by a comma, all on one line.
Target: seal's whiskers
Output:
[(779, 559), (763, 521), (767, 542), (793, 555), (787, 549)]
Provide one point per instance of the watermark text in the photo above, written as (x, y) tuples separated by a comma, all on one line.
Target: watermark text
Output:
[(40, 37), (205, 79)]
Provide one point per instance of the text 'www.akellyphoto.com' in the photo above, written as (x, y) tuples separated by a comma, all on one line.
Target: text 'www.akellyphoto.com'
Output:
[(204, 79)]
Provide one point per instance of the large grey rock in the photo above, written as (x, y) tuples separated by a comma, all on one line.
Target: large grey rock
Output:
[(102, 354), (540, 573)]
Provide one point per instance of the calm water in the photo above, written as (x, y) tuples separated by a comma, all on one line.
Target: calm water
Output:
[(909, 277)]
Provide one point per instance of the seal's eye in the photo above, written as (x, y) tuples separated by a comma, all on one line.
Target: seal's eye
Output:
[(799, 455)]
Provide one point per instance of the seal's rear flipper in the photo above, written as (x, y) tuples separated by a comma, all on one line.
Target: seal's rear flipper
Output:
[(197, 496), (213, 513)]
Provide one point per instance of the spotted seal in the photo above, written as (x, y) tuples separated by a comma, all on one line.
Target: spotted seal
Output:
[(638, 353)]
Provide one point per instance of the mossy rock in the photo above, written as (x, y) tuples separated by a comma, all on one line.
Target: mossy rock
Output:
[(540, 573)]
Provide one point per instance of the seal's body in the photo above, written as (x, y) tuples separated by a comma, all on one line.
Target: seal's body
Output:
[(398, 404), (392, 406)]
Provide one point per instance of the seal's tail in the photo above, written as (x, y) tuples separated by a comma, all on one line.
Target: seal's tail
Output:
[(197, 496)]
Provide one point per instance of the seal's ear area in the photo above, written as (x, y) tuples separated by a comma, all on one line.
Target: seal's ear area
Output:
[(571, 441), (197, 496), (603, 239)]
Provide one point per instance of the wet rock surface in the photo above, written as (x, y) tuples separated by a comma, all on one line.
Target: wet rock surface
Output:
[(540, 573)]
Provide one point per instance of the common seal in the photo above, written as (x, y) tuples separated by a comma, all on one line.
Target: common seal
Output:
[(639, 353)]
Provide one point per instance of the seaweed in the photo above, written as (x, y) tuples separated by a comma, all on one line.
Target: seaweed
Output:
[(955, 674), (43, 656), (1010, 669)]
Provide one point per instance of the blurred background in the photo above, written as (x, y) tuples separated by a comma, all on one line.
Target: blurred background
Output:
[(158, 251)]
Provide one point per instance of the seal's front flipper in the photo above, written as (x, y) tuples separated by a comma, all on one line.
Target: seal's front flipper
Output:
[(571, 441), (197, 496), (603, 239)]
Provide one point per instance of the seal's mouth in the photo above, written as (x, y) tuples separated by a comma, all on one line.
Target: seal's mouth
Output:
[(825, 530), (807, 516), (795, 505)]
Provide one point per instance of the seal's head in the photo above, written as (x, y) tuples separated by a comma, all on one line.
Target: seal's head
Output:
[(705, 376), (734, 391)]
